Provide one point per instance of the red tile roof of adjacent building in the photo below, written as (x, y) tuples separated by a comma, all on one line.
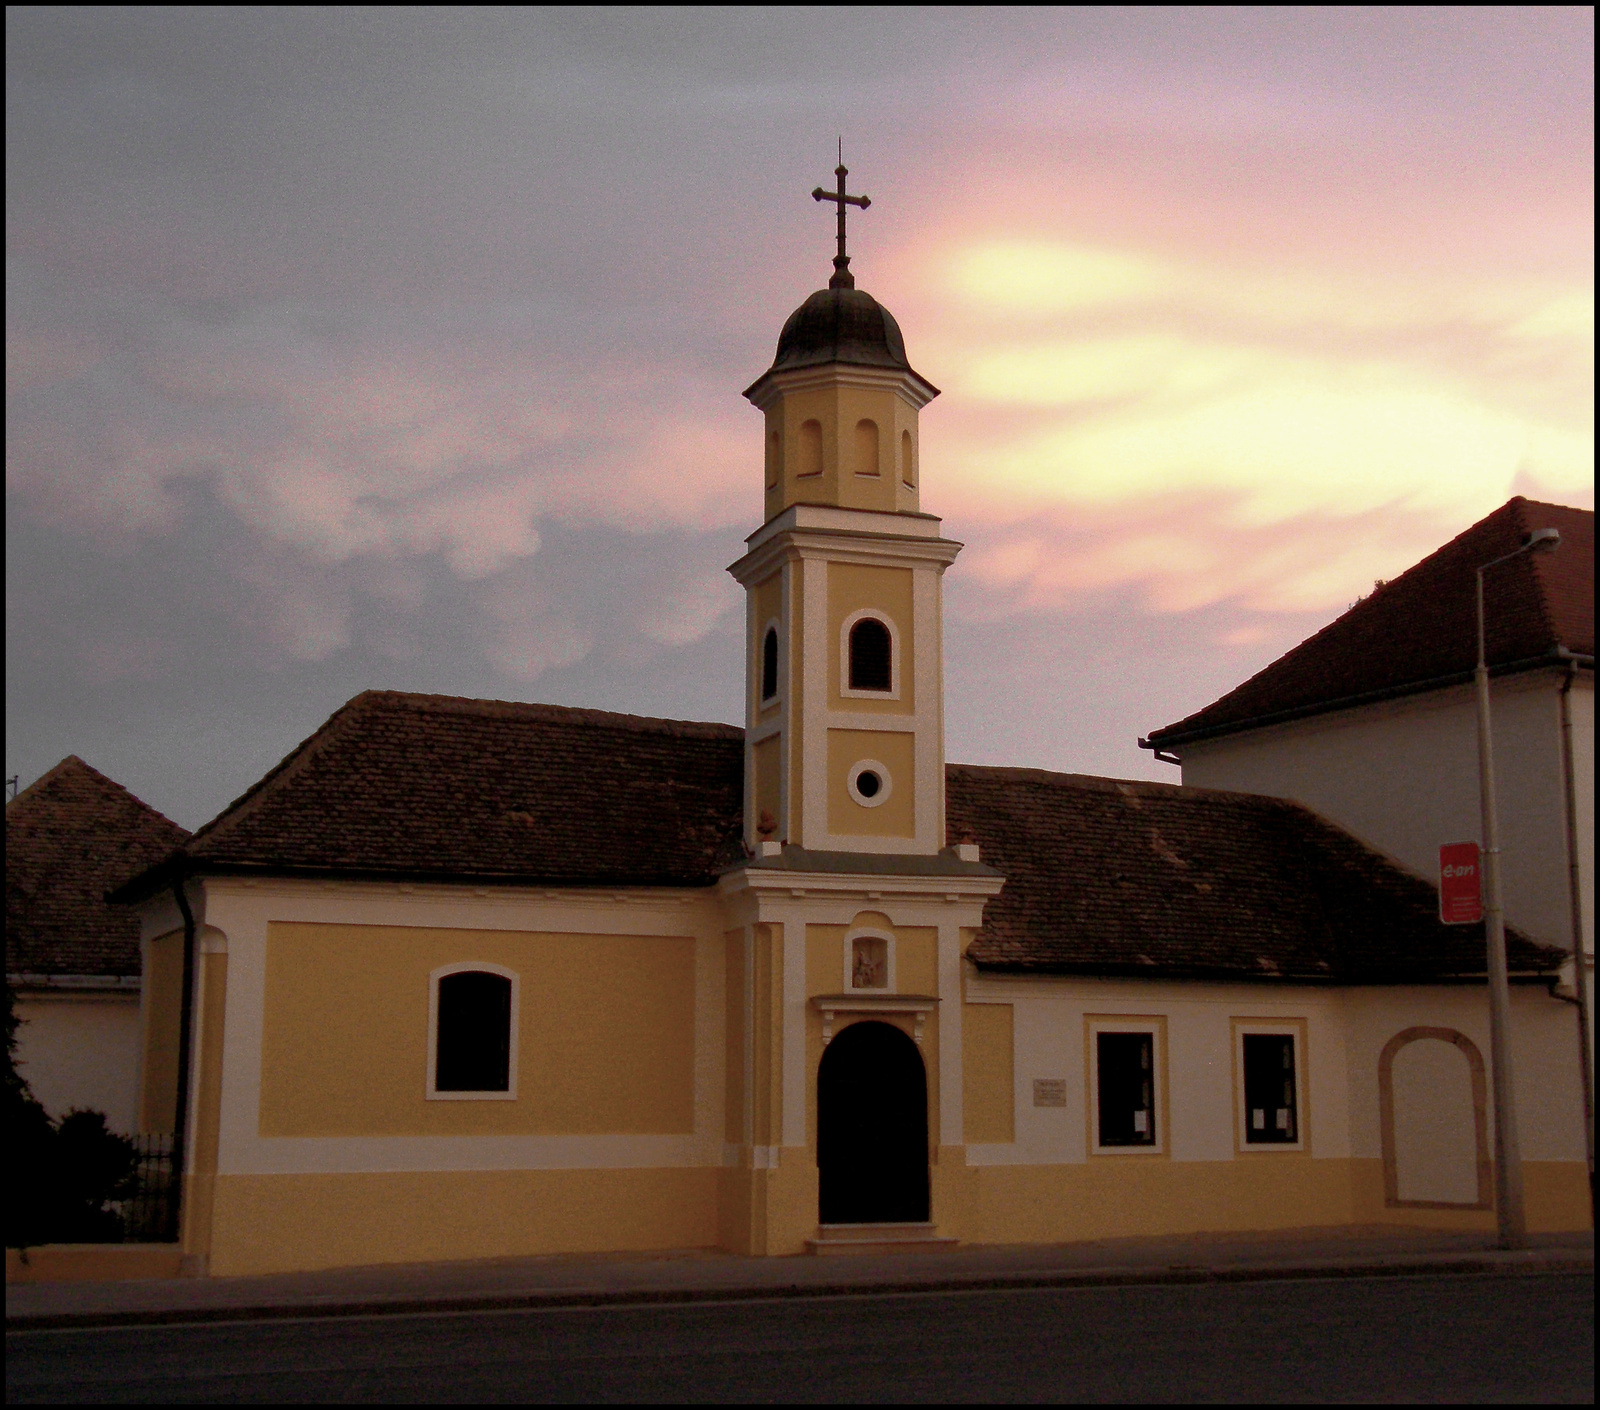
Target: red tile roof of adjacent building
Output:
[(71, 836), (1419, 631), (1101, 876), (1155, 880)]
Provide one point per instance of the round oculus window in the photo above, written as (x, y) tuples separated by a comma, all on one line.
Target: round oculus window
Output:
[(869, 783)]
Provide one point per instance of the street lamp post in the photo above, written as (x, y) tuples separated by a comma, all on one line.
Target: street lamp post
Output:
[(1507, 1147)]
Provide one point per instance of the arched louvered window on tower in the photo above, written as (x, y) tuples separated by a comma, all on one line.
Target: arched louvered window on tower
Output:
[(871, 656), (810, 449), (867, 448), (769, 664), (473, 1032)]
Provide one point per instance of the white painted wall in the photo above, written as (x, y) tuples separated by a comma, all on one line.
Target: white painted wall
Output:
[(1346, 1033), (1544, 1059), (1403, 776), (82, 1050)]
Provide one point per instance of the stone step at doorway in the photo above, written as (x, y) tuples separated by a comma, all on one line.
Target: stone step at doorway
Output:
[(879, 1238)]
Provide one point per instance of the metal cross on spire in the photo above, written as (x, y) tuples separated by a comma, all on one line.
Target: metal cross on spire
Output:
[(842, 278)]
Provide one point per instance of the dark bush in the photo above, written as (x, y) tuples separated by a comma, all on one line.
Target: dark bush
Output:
[(64, 1174)]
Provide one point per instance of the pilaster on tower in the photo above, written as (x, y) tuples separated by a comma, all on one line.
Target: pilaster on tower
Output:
[(844, 742)]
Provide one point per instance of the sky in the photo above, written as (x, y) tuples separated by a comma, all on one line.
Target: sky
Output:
[(354, 348)]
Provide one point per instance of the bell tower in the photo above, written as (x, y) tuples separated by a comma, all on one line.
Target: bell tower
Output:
[(844, 739)]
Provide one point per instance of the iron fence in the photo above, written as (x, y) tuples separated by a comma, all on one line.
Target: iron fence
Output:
[(150, 1215)]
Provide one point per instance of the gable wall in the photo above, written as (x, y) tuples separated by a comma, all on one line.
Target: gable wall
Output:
[(1403, 776)]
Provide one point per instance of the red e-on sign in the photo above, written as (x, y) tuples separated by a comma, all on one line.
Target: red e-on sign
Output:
[(1460, 888)]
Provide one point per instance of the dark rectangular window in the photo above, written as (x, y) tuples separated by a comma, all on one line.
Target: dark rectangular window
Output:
[(1127, 1079), (474, 1033), (1270, 1116)]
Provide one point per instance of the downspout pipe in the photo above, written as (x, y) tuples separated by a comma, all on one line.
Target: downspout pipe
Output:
[(1580, 964), (180, 1122)]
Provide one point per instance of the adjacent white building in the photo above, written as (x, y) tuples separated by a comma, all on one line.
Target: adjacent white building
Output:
[(72, 961), (1372, 723)]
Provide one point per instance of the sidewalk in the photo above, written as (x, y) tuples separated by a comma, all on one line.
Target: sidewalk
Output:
[(708, 1275)]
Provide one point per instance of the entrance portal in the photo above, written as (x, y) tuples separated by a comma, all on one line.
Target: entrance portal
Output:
[(872, 1128)]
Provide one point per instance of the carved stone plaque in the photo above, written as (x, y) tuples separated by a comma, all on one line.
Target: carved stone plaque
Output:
[(1049, 1091)]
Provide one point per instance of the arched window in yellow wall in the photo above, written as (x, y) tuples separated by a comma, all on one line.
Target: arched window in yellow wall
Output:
[(907, 470), (810, 448), (867, 448), (769, 664), (472, 1022), (871, 656)]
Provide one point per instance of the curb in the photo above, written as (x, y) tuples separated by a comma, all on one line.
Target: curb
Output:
[(647, 1297)]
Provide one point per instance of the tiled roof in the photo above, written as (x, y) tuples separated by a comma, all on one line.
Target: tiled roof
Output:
[(1150, 879), (434, 785), (1101, 877), (70, 837), (1422, 626)]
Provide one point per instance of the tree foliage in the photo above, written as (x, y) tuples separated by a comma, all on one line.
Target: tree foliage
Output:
[(63, 1175)]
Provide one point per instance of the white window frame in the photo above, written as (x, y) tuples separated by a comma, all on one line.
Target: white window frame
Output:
[(1153, 1024), (869, 932), (893, 693), (852, 782), (1295, 1030), (768, 702), (463, 967)]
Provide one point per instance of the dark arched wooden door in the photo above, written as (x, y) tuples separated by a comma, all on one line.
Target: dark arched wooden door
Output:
[(872, 1128)]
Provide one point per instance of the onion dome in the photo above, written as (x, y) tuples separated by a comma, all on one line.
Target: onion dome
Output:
[(841, 325)]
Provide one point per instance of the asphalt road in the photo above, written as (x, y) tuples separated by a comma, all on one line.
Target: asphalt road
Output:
[(1452, 1338)]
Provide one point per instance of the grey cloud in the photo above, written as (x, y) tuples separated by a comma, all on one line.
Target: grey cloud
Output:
[(355, 347)]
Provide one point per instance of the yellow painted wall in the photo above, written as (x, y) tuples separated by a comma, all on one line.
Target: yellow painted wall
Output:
[(916, 955), (1121, 1199), (853, 587), (917, 959), (278, 1223), (825, 959), (767, 1028), (1555, 1196), (896, 750), (988, 1093), (200, 1177), (838, 411), (606, 1032), (162, 1013), (768, 761), (733, 1053)]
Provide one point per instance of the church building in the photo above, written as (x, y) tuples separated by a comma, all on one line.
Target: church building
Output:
[(464, 978)]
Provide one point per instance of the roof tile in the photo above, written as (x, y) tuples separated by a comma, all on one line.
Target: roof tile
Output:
[(1102, 876), (71, 836), (1422, 626), (1111, 877)]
